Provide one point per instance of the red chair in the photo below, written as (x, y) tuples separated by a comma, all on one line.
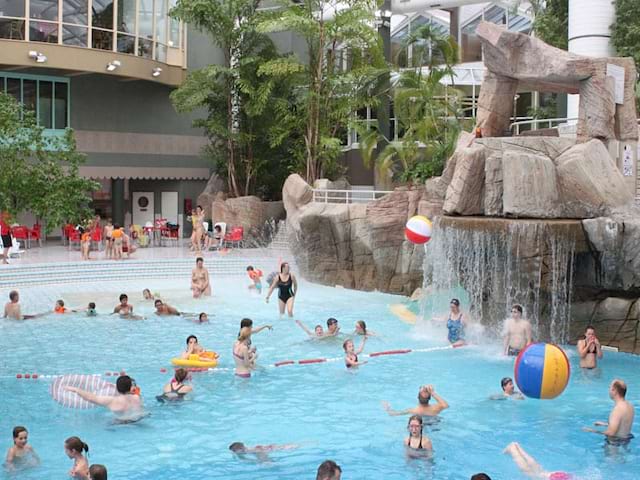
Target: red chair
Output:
[(235, 237), (96, 238), (169, 235), (67, 231), (36, 233), (74, 238), (22, 233)]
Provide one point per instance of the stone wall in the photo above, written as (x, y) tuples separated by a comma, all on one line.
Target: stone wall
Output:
[(251, 213)]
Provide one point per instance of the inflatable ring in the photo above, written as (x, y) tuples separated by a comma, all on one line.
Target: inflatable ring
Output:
[(204, 360)]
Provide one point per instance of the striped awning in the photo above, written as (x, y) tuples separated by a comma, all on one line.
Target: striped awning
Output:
[(155, 173)]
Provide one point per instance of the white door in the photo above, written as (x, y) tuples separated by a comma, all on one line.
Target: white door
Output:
[(170, 206), (142, 208)]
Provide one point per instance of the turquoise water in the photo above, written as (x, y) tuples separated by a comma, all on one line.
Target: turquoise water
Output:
[(330, 411)]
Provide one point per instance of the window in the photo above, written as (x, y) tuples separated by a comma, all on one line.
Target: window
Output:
[(72, 35), (47, 97), (102, 14), (127, 16), (75, 12), (44, 9), (12, 8), (11, 29)]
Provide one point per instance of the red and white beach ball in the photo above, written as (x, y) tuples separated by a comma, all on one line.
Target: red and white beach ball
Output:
[(418, 229)]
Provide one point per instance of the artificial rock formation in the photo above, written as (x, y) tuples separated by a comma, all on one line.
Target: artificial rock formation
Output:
[(515, 60), (533, 177), (250, 213), (355, 245)]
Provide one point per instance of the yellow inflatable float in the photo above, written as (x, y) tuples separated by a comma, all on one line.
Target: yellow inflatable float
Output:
[(202, 360), (403, 313)]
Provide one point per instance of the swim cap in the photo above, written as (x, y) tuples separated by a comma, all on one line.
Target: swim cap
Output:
[(560, 476)]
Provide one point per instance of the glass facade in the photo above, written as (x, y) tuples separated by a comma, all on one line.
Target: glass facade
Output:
[(47, 97), (134, 27)]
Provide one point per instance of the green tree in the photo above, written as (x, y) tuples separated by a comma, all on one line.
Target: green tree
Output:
[(244, 107), (426, 113), (551, 21), (40, 173), (327, 94)]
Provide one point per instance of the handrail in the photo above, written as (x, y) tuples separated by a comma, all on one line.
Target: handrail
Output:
[(538, 121), (321, 195)]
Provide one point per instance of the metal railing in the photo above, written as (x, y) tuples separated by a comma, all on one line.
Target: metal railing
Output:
[(537, 123), (347, 196)]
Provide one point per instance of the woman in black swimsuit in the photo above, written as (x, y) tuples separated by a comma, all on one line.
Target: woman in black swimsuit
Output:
[(417, 444), (175, 390), (287, 286)]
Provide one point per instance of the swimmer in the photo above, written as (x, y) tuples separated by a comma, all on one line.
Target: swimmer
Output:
[(260, 451), (425, 394), (97, 472), (91, 310), (74, 448), (147, 295), (255, 275), (361, 329), (417, 444), (123, 404), (508, 391), (21, 454), (200, 284), (527, 465), (287, 286), (193, 347), (242, 354), (12, 308), (176, 389), (589, 349), (516, 333), (332, 328), (203, 318), (351, 356), (329, 470), (164, 309), (456, 324), (318, 332), (621, 417), (125, 309), (60, 308), (247, 322)]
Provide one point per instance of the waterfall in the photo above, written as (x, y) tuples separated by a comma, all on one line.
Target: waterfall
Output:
[(500, 262)]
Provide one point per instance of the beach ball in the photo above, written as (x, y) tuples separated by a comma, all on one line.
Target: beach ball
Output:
[(418, 229), (542, 371)]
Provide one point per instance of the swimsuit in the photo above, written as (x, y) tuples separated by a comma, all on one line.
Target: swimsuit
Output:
[(285, 291), (513, 352), (241, 375), (419, 447), (456, 329), (174, 395), (355, 359)]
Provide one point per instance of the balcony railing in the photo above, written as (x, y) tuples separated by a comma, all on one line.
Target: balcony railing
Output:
[(348, 196)]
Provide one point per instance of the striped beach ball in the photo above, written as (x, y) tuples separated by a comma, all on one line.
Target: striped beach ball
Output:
[(542, 371), (418, 229)]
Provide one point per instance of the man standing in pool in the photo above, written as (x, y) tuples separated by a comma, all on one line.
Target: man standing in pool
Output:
[(589, 349), (621, 417), (124, 404), (12, 307), (123, 308), (164, 309), (423, 408), (516, 332)]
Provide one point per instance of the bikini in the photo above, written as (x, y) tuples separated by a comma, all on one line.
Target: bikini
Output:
[(285, 291), (355, 359), (241, 375)]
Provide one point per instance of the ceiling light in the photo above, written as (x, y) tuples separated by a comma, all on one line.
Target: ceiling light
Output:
[(156, 72), (111, 66)]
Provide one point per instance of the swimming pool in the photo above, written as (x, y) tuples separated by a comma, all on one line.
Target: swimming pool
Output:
[(330, 411)]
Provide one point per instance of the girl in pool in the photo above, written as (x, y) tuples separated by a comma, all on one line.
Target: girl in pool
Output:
[(21, 454), (74, 448), (456, 323), (194, 348), (147, 295), (287, 286), (351, 356), (242, 354), (417, 444), (200, 280), (361, 329), (532, 469), (176, 389)]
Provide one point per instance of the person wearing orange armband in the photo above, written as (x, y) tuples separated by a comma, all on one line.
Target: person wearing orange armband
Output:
[(256, 277)]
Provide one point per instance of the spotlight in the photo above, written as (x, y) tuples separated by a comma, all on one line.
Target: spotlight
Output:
[(111, 66), (156, 71), (37, 56)]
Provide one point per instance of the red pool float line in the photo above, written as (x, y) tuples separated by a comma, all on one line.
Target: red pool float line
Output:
[(34, 376), (163, 370), (390, 352), (284, 362), (312, 360), (19, 375)]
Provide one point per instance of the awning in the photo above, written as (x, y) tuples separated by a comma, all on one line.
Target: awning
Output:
[(155, 173)]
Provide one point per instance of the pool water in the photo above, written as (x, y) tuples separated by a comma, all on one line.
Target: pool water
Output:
[(332, 412)]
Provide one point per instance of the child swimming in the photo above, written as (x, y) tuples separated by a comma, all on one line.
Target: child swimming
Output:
[(255, 275), (351, 356), (91, 310), (74, 448), (21, 454)]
